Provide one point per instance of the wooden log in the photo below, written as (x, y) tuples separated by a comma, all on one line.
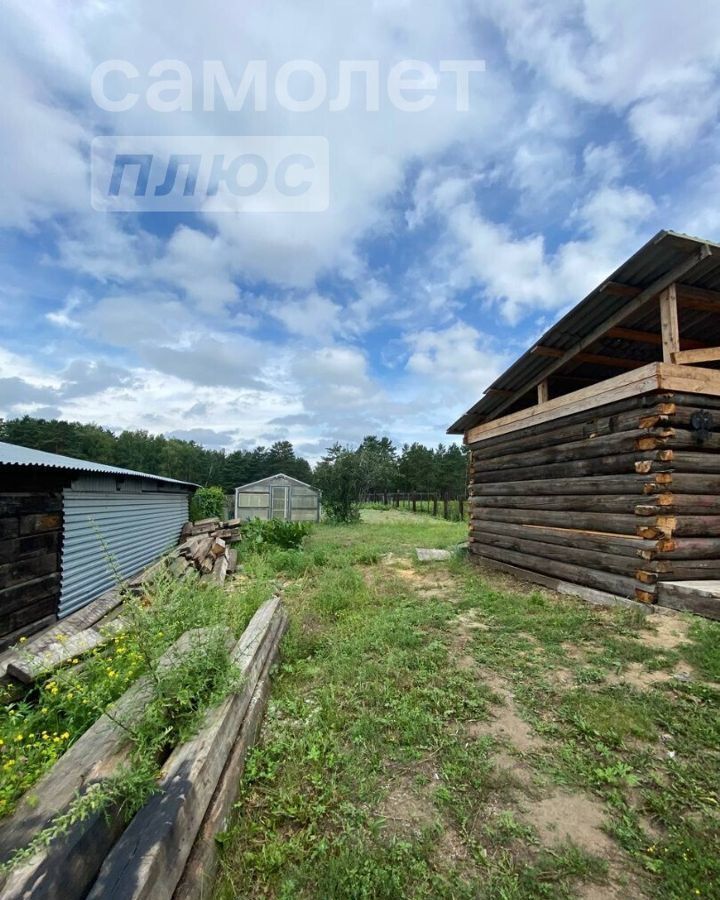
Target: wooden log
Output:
[(201, 868), (232, 561), (575, 574), (589, 448), (587, 426), (624, 545), (592, 485), (613, 523), (218, 547), (620, 463), (686, 548), (696, 463), (149, 858), (595, 559), (614, 503), (682, 483)]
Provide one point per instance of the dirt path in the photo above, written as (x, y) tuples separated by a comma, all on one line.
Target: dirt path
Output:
[(552, 816)]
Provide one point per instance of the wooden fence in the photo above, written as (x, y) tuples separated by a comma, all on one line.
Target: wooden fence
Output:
[(453, 507)]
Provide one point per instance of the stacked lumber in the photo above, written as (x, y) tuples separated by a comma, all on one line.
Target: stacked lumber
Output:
[(170, 843), (207, 549), (616, 498)]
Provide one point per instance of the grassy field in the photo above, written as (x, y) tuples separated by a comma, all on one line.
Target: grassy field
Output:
[(440, 731)]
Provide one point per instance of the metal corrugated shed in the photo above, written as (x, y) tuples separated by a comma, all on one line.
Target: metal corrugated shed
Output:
[(109, 533), (660, 255), (14, 455)]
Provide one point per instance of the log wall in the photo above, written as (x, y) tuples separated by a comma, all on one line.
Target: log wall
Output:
[(30, 540), (616, 498)]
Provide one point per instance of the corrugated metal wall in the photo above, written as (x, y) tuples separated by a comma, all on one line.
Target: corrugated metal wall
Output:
[(131, 525)]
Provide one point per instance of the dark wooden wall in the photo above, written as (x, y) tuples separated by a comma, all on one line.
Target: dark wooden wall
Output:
[(615, 498), (30, 545)]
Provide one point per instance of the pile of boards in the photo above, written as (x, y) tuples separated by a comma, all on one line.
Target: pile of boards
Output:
[(206, 547)]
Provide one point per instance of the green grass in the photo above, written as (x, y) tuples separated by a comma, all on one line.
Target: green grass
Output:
[(375, 776)]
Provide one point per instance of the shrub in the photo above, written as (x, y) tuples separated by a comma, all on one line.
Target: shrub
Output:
[(341, 479), (207, 502), (258, 533)]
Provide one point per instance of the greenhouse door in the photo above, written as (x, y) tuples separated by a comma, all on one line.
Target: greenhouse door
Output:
[(279, 505)]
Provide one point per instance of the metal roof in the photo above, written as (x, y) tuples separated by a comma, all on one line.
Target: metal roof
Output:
[(295, 481), (15, 455), (656, 258)]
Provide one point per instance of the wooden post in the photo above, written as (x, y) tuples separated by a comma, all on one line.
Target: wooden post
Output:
[(543, 392), (461, 503), (414, 502), (445, 506), (385, 498), (434, 512), (397, 501), (669, 323)]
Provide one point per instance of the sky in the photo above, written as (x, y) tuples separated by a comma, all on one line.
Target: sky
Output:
[(449, 236)]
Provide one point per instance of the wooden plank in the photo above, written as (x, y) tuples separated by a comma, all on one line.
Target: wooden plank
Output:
[(591, 502), (148, 860), (634, 305), (642, 462), (689, 379), (669, 323), (202, 865), (691, 357), (614, 523), (543, 392), (28, 667), (699, 597), (629, 384)]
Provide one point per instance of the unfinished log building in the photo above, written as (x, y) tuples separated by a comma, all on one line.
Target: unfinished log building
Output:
[(594, 458)]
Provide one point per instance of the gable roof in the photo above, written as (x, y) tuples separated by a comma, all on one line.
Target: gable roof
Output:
[(295, 481), (693, 262)]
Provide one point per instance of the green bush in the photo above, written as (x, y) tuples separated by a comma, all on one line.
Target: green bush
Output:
[(207, 502), (259, 533)]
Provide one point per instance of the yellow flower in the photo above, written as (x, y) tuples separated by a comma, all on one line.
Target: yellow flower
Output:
[(65, 735), (69, 695), (2, 742), (44, 710), (75, 661), (22, 640), (18, 737)]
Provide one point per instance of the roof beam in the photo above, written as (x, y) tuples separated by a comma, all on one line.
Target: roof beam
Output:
[(691, 357), (651, 337), (636, 303), (597, 359)]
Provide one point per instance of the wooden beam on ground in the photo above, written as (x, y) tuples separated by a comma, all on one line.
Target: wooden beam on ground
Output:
[(634, 305), (691, 357), (669, 323)]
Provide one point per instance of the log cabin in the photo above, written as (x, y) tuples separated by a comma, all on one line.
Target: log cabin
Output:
[(594, 463)]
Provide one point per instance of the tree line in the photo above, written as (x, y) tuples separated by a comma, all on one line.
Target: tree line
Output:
[(377, 465)]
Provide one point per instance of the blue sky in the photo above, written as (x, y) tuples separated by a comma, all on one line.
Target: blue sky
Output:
[(451, 238)]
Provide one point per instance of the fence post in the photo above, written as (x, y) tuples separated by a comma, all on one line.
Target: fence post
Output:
[(461, 502), (435, 504), (385, 498), (397, 501), (446, 513), (414, 502)]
